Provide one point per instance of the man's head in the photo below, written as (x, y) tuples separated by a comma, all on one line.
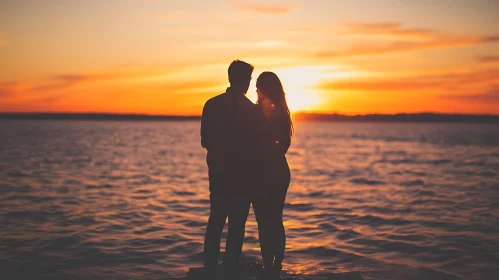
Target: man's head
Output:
[(240, 75)]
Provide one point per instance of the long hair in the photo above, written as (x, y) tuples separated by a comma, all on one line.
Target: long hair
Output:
[(272, 88)]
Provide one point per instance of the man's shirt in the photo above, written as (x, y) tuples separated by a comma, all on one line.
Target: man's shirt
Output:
[(228, 133)]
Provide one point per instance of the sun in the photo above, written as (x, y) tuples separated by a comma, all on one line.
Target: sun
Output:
[(300, 85)]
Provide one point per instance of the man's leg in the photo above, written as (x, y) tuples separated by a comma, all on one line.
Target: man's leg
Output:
[(216, 222), (238, 214)]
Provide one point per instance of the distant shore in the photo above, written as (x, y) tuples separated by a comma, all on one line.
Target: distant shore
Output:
[(422, 117)]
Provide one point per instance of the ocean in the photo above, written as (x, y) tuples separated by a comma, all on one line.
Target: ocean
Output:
[(129, 200)]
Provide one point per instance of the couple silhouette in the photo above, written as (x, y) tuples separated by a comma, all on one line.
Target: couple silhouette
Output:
[(246, 146)]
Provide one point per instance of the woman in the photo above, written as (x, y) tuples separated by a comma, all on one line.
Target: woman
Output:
[(268, 203)]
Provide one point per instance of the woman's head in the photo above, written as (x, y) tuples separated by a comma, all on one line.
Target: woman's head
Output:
[(270, 88)]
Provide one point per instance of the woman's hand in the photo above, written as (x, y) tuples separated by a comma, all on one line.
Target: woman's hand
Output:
[(268, 107)]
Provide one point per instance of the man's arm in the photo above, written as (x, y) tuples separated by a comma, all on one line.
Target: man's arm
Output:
[(206, 123)]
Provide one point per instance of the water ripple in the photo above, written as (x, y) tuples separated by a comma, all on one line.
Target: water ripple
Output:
[(129, 200)]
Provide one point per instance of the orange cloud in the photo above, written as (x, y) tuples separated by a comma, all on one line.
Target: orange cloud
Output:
[(9, 89), (66, 81), (487, 97), (380, 85), (264, 9), (268, 44), (63, 82), (388, 30), (449, 82), (385, 29), (406, 47), (404, 40), (126, 90), (181, 91), (488, 59), (198, 86)]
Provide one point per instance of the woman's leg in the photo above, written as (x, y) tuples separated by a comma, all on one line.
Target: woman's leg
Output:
[(279, 234), (279, 241), (262, 209)]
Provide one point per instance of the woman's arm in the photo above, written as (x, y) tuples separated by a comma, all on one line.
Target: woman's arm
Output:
[(283, 135), (283, 144)]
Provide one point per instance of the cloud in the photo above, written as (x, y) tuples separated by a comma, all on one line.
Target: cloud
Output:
[(487, 97), (307, 30), (264, 9), (385, 29), (487, 59), (66, 81), (380, 85), (197, 86), (366, 49), (155, 84), (2, 42), (150, 88), (229, 45), (430, 82), (185, 90), (9, 89), (57, 87), (115, 76), (402, 40)]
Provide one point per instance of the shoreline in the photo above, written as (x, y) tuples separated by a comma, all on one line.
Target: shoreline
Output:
[(309, 117)]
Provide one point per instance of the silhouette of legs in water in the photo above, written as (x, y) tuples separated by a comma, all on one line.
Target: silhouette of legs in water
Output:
[(268, 211), (234, 244), (216, 222), (279, 242), (221, 207)]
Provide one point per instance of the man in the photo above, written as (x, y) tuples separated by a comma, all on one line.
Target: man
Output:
[(226, 134)]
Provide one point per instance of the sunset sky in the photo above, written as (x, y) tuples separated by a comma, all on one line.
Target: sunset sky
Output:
[(170, 56)]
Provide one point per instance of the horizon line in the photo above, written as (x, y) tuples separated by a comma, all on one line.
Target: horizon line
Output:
[(295, 113), (299, 117)]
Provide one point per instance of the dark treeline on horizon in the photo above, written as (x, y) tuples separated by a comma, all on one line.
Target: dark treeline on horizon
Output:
[(93, 117), (422, 117)]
